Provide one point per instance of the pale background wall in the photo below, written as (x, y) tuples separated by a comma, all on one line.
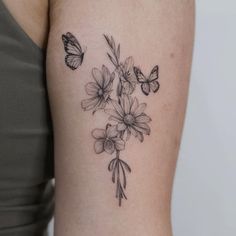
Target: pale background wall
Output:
[(204, 197)]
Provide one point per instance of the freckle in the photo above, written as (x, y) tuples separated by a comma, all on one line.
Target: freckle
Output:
[(172, 55)]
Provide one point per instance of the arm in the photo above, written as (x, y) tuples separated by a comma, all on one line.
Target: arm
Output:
[(95, 138)]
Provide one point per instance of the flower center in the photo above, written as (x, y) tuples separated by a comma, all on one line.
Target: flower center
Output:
[(129, 119), (100, 92), (108, 144)]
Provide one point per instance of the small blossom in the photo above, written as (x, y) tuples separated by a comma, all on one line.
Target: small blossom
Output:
[(99, 90), (130, 117), (129, 80), (107, 140)]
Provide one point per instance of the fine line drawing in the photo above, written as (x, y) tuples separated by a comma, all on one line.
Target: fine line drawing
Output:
[(126, 115), (75, 54)]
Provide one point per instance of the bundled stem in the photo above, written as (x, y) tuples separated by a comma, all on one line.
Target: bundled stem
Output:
[(119, 168)]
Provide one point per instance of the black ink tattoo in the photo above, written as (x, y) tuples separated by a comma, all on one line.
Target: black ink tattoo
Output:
[(123, 109), (150, 83), (75, 54)]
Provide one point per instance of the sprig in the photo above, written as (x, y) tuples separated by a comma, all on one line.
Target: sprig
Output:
[(112, 139), (115, 57)]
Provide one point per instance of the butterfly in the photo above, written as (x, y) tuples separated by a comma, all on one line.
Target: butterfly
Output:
[(75, 54), (149, 83)]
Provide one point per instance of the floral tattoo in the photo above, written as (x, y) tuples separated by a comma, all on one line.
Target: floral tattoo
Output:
[(124, 111)]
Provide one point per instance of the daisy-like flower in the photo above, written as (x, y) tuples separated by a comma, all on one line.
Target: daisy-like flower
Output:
[(129, 80), (99, 90), (130, 117), (107, 140)]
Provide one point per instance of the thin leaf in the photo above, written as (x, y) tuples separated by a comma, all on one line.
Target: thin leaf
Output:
[(113, 43), (118, 52), (108, 40), (112, 59), (119, 89)]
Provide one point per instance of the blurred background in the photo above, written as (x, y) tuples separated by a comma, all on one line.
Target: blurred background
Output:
[(204, 197)]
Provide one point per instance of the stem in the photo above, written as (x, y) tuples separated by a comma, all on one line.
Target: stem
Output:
[(118, 168)]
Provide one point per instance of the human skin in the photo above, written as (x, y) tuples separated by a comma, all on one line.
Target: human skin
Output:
[(32, 16), (153, 32)]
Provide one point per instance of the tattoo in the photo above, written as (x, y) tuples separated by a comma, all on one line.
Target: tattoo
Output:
[(75, 54), (123, 109)]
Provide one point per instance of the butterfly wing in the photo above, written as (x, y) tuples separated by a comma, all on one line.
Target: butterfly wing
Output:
[(139, 75), (154, 86), (71, 44), (154, 74), (143, 80), (152, 79), (73, 61), (145, 88), (73, 49)]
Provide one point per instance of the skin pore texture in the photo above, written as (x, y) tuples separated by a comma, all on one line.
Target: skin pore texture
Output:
[(152, 32)]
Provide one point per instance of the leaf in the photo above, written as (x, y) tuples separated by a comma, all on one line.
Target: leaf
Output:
[(112, 59), (107, 39), (119, 89), (113, 43), (118, 52)]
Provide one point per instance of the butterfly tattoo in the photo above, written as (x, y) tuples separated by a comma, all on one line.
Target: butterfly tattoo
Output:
[(75, 54), (149, 83)]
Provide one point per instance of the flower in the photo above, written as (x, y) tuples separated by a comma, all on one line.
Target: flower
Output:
[(127, 75), (130, 117), (99, 90), (107, 140)]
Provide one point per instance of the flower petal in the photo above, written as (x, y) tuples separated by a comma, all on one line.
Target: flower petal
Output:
[(97, 75), (92, 89), (115, 119), (100, 105), (112, 131), (113, 112), (126, 103), (98, 146), (106, 76), (133, 131), (119, 144), (99, 133), (143, 118), (140, 109), (109, 146), (118, 108), (121, 126), (113, 75), (129, 63), (89, 104), (128, 134), (134, 105), (143, 128), (128, 87), (140, 136)]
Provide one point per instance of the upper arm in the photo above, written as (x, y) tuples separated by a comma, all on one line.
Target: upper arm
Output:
[(91, 132)]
